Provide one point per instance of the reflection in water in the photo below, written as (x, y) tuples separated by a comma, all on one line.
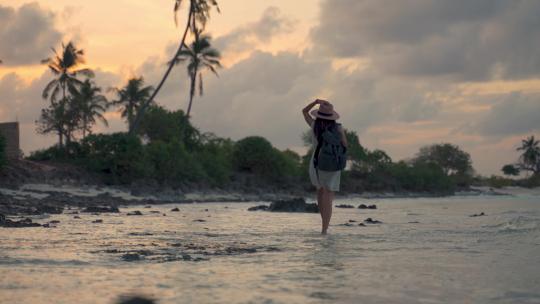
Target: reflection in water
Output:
[(427, 250)]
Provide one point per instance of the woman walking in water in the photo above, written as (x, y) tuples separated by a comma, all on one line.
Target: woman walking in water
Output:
[(329, 145)]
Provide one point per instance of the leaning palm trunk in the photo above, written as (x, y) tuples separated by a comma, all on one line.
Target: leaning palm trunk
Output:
[(133, 127), (192, 91)]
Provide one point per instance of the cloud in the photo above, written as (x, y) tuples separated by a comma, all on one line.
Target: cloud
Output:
[(271, 23), (465, 40), (513, 114), (26, 34)]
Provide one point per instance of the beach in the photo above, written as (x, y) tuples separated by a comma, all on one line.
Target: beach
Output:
[(425, 250)]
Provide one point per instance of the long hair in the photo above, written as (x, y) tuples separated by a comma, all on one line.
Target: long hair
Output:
[(321, 125)]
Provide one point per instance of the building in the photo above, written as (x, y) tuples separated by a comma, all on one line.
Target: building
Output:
[(10, 131)]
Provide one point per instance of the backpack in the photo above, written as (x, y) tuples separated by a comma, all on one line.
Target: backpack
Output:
[(330, 154)]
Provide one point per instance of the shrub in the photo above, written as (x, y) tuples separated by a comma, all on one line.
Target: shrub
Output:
[(256, 155), (119, 156)]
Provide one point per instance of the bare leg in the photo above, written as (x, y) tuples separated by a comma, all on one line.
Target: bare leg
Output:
[(326, 213), (320, 202)]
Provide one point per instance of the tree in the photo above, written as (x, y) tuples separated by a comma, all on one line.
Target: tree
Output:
[(510, 170), (159, 124), (449, 157), (90, 104), (200, 55), (65, 68), (132, 97), (529, 159), (198, 15)]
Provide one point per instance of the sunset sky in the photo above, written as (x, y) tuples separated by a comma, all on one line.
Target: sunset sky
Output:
[(402, 74)]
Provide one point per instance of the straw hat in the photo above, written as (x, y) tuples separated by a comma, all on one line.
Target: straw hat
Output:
[(325, 111)]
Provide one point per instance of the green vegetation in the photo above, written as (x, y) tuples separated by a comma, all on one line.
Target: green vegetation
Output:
[(528, 163), (197, 17), (200, 56), (64, 116)]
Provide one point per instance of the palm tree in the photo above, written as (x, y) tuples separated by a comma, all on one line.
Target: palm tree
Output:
[(90, 105), (64, 67), (132, 97), (201, 56), (198, 15), (530, 158)]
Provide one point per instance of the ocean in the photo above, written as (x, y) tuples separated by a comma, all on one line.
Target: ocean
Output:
[(426, 250)]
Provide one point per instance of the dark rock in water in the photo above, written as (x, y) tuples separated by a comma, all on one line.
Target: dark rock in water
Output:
[(346, 224), (199, 220), (154, 211), (54, 222), (293, 205), (206, 210), (136, 212), (101, 209), (364, 206), (186, 257), (372, 221), (352, 221), (7, 223), (147, 207), (260, 207), (414, 222), (135, 300), (76, 217), (175, 210), (362, 224), (49, 209), (130, 257), (344, 206), (97, 221), (479, 214)]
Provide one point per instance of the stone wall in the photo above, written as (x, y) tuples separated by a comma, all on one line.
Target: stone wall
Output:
[(10, 131)]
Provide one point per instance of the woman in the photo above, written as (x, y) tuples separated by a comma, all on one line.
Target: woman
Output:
[(326, 182)]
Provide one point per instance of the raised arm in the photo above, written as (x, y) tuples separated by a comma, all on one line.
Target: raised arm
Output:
[(305, 111), (343, 137)]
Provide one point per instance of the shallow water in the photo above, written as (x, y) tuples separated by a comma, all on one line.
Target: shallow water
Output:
[(426, 251)]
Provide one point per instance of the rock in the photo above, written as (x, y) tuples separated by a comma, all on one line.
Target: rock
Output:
[(293, 205), (97, 221), (352, 221), (130, 257), (135, 300), (49, 209), (479, 214), (154, 211), (54, 222), (344, 206), (206, 210), (199, 220), (364, 206), (260, 207), (175, 210), (101, 209), (136, 212), (362, 225), (76, 217), (372, 221), (186, 257), (7, 223)]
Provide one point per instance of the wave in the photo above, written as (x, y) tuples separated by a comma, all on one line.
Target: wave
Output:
[(517, 224)]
